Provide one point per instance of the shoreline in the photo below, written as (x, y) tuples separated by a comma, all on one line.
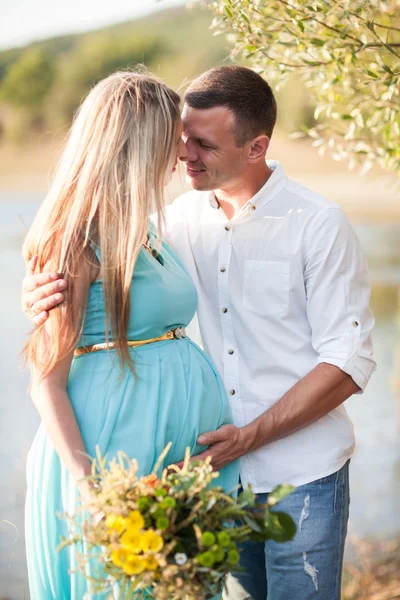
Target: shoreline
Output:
[(25, 173)]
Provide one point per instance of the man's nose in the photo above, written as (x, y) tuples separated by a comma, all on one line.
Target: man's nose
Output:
[(191, 154)]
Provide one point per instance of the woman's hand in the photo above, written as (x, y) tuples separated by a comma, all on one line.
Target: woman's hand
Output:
[(86, 489), (41, 292)]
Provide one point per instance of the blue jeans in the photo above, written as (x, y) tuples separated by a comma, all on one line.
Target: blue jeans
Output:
[(310, 566)]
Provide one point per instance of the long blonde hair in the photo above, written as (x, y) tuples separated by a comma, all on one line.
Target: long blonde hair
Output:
[(110, 178)]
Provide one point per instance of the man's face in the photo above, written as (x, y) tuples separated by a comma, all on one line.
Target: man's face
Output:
[(213, 160)]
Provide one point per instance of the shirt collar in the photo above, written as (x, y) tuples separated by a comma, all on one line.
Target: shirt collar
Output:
[(276, 182), (213, 200)]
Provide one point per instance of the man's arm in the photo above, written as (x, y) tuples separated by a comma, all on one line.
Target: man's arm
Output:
[(337, 289), (41, 292), (314, 396)]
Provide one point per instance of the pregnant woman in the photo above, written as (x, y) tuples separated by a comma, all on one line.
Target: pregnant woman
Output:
[(112, 366)]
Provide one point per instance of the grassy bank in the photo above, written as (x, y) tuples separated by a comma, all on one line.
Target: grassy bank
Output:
[(375, 575), (26, 169)]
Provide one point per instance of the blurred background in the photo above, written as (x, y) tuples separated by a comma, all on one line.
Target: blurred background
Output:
[(50, 55)]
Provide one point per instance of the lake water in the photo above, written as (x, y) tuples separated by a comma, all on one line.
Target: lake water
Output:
[(375, 471)]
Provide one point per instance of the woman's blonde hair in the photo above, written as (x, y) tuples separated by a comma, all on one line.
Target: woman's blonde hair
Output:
[(110, 178)]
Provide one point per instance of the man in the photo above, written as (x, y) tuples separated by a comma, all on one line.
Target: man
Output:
[(283, 312)]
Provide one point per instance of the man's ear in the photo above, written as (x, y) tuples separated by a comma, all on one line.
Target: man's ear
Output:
[(258, 148)]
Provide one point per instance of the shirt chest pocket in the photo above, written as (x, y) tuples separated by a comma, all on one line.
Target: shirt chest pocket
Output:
[(266, 287)]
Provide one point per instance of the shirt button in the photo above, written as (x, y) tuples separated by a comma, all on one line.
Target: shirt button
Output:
[(227, 228), (222, 269), (230, 351), (224, 310), (355, 324), (232, 392)]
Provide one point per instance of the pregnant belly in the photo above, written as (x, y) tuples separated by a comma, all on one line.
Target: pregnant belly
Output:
[(175, 396)]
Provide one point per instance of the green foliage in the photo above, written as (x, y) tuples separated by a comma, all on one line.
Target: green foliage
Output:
[(279, 493), (176, 44), (194, 547), (93, 59), (27, 81), (348, 55)]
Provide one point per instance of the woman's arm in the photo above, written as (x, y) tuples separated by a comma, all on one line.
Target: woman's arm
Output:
[(50, 397)]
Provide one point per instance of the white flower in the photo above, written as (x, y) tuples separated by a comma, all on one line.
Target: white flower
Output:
[(180, 558)]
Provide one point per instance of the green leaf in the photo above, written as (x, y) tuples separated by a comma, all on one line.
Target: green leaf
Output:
[(245, 17), (281, 526), (228, 11), (317, 42), (372, 73), (387, 69), (211, 503), (280, 492), (346, 117), (301, 26), (247, 497), (288, 44), (252, 524), (391, 49)]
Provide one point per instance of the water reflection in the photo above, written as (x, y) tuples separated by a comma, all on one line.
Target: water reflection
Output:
[(376, 414), (375, 472)]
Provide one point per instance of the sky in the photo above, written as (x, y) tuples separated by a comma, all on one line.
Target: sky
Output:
[(23, 21)]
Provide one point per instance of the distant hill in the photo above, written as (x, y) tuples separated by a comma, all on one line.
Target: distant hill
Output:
[(190, 47), (42, 83)]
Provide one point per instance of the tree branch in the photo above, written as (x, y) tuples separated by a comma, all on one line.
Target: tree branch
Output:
[(285, 3), (390, 27), (389, 47)]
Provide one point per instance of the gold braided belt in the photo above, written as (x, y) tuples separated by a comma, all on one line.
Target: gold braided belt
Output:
[(173, 334)]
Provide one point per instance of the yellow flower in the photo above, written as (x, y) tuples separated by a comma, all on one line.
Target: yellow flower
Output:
[(134, 565), (151, 563), (131, 540), (116, 523), (120, 556), (135, 519), (151, 541)]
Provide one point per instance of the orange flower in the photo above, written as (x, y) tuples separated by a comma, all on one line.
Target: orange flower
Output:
[(150, 480)]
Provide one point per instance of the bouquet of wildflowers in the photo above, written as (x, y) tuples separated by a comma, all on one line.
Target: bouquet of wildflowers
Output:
[(173, 537)]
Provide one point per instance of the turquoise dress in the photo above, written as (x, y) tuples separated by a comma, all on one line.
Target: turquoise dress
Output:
[(177, 394)]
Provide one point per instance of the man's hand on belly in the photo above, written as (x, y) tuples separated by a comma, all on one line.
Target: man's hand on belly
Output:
[(225, 445)]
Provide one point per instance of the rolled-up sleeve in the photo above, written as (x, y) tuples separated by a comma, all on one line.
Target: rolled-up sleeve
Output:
[(338, 292)]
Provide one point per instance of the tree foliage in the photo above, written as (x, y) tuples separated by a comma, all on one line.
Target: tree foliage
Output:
[(27, 81), (93, 59), (167, 42), (348, 54)]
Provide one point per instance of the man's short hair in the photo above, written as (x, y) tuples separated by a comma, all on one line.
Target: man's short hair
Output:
[(244, 92)]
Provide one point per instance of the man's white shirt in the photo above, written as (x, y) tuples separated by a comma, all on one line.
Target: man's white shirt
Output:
[(282, 287)]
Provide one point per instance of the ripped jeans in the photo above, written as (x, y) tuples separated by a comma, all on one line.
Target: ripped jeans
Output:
[(310, 566)]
